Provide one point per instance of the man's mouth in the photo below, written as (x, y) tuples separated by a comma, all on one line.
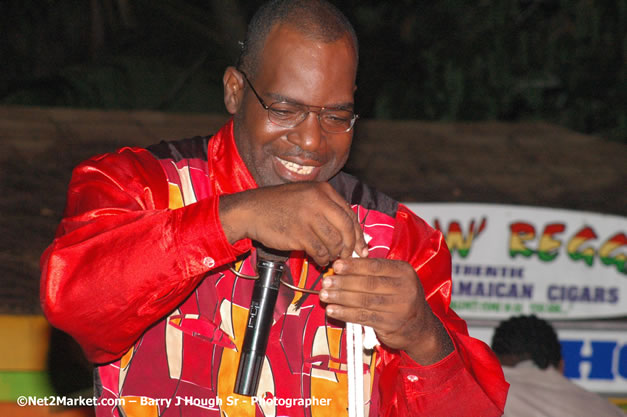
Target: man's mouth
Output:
[(296, 168)]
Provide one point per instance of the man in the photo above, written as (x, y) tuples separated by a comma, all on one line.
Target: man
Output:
[(531, 355), (146, 270)]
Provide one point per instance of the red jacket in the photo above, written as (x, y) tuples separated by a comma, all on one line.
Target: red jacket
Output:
[(138, 275)]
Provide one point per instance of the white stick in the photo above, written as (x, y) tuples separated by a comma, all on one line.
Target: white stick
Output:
[(350, 364), (355, 363), (359, 371)]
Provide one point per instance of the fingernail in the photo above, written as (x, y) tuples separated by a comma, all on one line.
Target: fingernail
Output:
[(339, 266), (330, 311), (364, 252), (323, 294), (327, 282)]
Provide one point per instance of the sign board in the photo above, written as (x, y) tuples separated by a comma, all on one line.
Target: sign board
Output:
[(511, 260), (595, 359)]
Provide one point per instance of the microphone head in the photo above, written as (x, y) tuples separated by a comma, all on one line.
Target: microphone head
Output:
[(270, 254)]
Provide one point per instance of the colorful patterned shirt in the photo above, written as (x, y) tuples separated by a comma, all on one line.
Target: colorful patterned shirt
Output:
[(140, 275)]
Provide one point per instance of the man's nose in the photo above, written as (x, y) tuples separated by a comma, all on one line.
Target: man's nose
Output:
[(308, 134)]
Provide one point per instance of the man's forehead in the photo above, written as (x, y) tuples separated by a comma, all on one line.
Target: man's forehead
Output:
[(283, 37), (291, 56)]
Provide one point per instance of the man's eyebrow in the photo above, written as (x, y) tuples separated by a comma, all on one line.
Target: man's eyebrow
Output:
[(281, 98)]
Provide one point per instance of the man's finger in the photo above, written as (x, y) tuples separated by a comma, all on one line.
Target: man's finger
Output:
[(379, 321), (375, 284), (356, 242), (371, 266), (366, 300), (317, 250), (344, 221)]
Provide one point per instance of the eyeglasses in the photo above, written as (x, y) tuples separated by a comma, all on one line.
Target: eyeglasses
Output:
[(286, 114)]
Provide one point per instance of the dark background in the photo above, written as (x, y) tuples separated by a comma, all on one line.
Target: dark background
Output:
[(563, 62)]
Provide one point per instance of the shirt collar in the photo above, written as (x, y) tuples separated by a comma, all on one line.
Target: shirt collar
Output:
[(226, 167)]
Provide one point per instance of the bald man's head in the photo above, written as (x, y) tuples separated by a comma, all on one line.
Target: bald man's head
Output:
[(317, 20)]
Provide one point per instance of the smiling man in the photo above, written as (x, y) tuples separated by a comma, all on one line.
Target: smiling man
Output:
[(149, 268)]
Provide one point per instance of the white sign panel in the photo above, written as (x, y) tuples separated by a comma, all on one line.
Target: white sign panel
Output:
[(510, 260), (593, 359)]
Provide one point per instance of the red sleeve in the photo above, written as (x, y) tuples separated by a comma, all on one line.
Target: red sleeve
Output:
[(121, 259), (469, 382)]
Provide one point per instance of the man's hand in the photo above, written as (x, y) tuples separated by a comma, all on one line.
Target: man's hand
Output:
[(388, 296), (311, 217)]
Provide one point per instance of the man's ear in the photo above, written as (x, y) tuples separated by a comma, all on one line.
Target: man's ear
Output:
[(233, 82)]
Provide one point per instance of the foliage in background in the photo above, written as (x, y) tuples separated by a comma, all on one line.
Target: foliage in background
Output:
[(562, 61), (556, 60)]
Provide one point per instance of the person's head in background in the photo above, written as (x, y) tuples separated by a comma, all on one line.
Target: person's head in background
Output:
[(523, 338)]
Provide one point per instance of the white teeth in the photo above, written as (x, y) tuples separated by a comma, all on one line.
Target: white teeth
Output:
[(298, 169)]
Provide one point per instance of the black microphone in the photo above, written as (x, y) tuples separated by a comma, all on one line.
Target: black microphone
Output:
[(270, 267)]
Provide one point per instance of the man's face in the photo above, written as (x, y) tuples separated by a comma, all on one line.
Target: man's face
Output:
[(295, 69)]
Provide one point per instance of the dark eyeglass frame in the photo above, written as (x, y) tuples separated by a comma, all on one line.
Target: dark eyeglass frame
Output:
[(306, 110)]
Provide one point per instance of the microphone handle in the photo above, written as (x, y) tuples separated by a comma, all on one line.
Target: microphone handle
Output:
[(260, 318)]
